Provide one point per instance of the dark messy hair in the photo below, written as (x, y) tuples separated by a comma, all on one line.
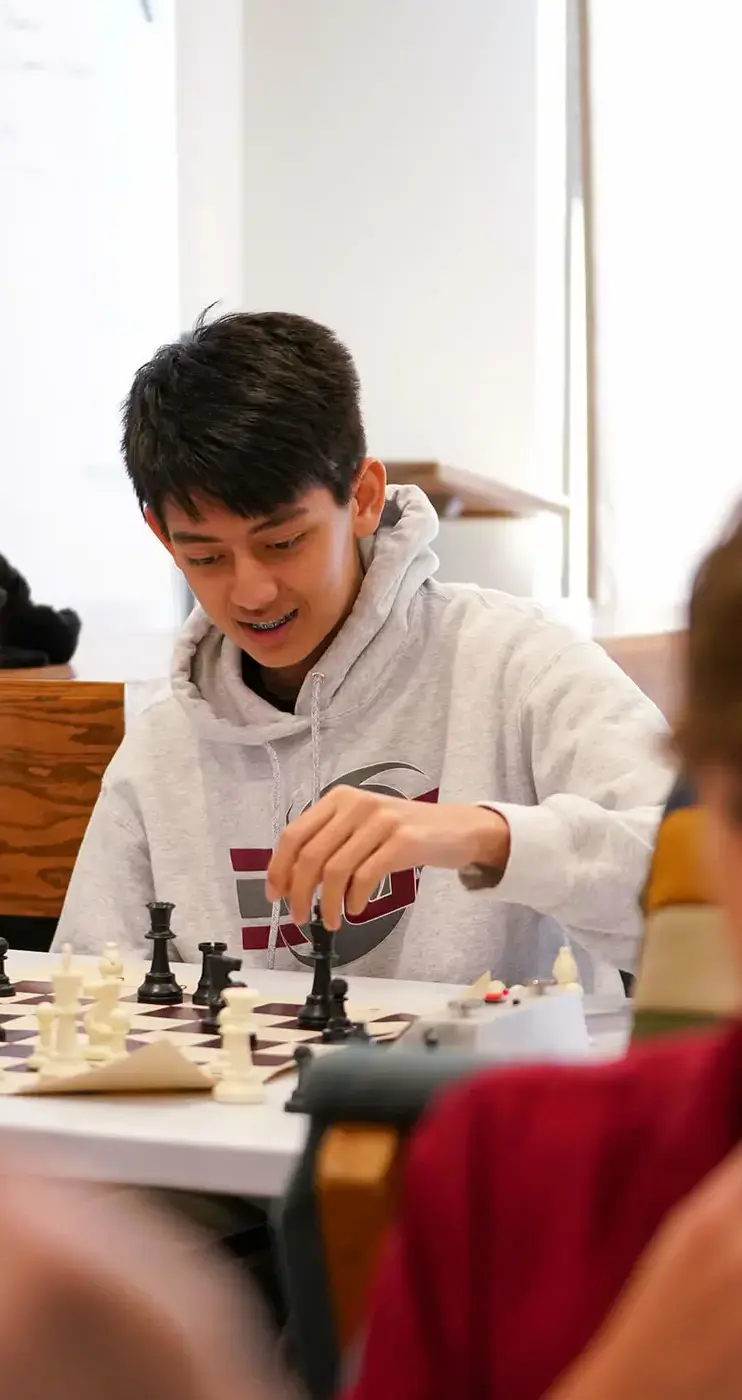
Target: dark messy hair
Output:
[(709, 732), (248, 411)]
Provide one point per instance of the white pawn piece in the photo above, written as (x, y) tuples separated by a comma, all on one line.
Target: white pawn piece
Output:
[(110, 964), (239, 1082), (120, 1021), (565, 968), (98, 1019), (45, 1018)]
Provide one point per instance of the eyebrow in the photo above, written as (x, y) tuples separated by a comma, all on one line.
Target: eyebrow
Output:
[(283, 516)]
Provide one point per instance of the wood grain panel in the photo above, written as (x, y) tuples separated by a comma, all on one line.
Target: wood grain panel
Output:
[(356, 1183), (56, 740)]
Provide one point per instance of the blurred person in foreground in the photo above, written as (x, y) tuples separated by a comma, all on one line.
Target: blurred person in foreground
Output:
[(575, 1233), (103, 1296)]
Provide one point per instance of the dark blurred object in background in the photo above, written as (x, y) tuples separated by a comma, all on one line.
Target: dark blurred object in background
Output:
[(30, 633)]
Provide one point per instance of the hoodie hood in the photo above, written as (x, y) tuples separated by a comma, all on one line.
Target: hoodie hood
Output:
[(207, 680)]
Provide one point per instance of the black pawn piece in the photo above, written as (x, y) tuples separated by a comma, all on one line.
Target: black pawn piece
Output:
[(303, 1061), (315, 1013), (219, 969), (338, 1027), (159, 987), (6, 986), (201, 994)]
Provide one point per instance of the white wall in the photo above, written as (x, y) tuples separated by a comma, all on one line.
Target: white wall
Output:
[(397, 171), (211, 155), (667, 113), (88, 288), (390, 157)]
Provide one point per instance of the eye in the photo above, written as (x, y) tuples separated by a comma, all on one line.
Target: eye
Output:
[(285, 545), (204, 563)]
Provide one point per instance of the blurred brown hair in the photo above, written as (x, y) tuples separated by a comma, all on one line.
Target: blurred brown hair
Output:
[(709, 731)]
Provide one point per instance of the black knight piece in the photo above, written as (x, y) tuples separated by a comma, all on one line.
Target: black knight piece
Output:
[(201, 995), (219, 969), (339, 1027), (159, 986), (6, 986), (314, 1015), (303, 1061)]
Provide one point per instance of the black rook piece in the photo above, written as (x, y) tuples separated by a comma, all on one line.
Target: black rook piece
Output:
[(338, 1027), (303, 1062), (159, 986), (314, 1015), (201, 994), (219, 969), (6, 986)]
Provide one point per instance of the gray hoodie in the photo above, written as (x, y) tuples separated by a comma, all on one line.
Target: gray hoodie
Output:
[(432, 692)]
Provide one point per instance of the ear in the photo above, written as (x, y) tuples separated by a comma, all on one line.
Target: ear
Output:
[(157, 530), (369, 496)]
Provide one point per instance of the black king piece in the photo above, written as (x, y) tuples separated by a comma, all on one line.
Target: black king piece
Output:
[(159, 986), (315, 1013)]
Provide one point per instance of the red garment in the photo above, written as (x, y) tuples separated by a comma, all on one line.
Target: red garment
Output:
[(530, 1194)]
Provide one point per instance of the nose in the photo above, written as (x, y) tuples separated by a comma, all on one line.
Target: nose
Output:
[(253, 587)]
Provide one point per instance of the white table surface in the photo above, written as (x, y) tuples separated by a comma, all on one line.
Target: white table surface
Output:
[(191, 1142)]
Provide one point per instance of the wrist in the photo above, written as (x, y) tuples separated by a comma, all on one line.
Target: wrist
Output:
[(490, 844)]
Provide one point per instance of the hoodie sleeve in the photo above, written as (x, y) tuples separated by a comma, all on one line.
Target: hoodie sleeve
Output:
[(111, 882), (594, 743)]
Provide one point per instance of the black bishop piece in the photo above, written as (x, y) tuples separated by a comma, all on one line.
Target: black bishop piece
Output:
[(159, 987)]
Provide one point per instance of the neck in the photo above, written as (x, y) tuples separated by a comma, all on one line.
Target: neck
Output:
[(285, 682)]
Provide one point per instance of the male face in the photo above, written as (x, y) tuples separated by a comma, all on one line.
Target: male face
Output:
[(279, 586)]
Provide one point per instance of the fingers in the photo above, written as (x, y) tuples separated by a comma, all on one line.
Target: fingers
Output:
[(361, 851), (292, 841), (328, 846), (391, 855)]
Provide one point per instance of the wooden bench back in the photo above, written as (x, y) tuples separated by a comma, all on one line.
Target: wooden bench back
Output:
[(356, 1183), (56, 740)]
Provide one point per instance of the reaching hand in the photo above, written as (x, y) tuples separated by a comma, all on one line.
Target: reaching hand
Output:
[(352, 839)]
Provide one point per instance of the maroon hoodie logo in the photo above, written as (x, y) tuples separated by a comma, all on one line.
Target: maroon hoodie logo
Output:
[(358, 934)]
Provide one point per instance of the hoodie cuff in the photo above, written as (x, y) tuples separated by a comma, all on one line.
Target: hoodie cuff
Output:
[(535, 874)]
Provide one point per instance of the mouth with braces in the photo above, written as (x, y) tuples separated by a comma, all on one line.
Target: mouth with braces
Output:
[(271, 626)]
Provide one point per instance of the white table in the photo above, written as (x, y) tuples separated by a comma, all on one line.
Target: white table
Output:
[(192, 1142)]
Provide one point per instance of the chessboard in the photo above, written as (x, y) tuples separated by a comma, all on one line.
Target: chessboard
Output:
[(275, 1023)]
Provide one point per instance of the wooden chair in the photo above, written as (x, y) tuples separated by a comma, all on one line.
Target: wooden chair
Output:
[(333, 1220), (56, 740)]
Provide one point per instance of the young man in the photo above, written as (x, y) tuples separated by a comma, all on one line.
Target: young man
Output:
[(326, 680), (576, 1234)]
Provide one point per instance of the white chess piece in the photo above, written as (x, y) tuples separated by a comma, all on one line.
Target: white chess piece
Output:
[(565, 969), (120, 1023), (67, 1054), (98, 1019), (110, 964), (239, 1082), (45, 1018)]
